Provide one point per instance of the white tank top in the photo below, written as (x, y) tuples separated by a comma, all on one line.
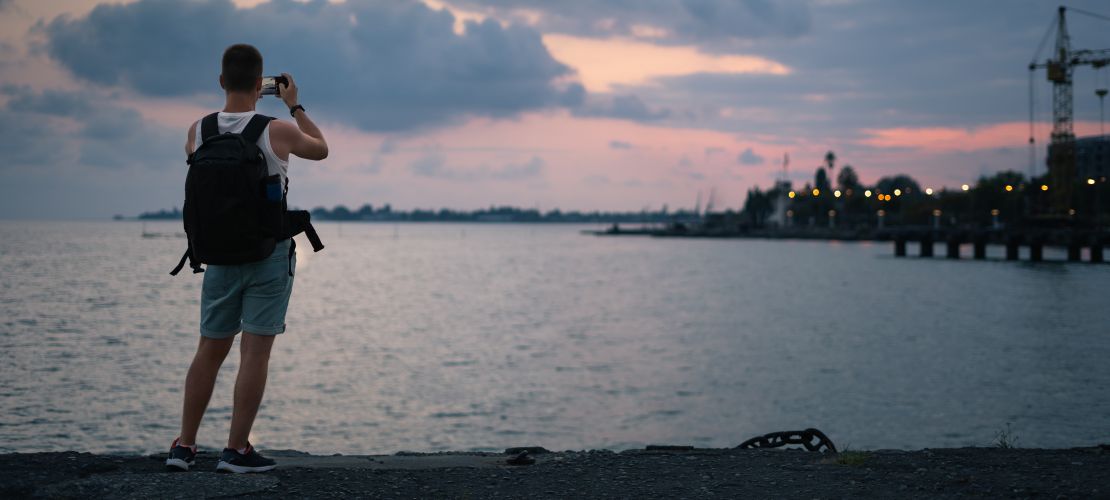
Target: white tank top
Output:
[(235, 123)]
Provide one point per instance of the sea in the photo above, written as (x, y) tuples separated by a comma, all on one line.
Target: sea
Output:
[(428, 337)]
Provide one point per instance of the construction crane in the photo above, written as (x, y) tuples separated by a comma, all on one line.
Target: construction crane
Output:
[(1060, 67)]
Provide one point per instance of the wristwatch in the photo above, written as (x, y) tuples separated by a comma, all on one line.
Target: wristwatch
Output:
[(293, 110)]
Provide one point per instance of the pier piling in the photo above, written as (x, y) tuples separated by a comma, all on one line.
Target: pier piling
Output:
[(1036, 249), (954, 241), (1013, 246), (1096, 249), (1075, 246), (900, 246), (927, 245), (980, 245)]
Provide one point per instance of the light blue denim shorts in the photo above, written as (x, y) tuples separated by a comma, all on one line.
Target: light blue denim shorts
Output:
[(250, 297)]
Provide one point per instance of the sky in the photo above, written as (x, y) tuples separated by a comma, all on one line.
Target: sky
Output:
[(575, 104)]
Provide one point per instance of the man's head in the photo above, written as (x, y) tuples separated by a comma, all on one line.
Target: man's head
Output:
[(242, 69)]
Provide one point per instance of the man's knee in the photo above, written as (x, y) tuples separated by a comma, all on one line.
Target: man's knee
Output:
[(210, 348), (255, 346)]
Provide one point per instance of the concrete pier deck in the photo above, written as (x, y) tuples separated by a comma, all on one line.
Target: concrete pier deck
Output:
[(692, 473)]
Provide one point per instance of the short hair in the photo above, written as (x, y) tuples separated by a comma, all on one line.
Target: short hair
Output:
[(242, 66)]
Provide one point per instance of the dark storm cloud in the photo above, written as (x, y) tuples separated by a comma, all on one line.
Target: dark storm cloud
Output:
[(74, 129), (682, 21), (382, 65), (47, 102), (871, 65)]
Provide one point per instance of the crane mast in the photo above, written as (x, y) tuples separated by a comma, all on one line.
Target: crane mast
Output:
[(1059, 70)]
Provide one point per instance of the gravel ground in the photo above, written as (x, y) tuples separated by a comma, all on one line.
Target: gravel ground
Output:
[(700, 473)]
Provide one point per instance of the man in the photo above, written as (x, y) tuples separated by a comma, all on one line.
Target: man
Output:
[(250, 298)]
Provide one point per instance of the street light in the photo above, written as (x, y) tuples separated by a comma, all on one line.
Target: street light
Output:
[(965, 187), (867, 194), (929, 191), (816, 192)]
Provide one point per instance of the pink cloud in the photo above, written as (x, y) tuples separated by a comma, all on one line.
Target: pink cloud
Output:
[(965, 139)]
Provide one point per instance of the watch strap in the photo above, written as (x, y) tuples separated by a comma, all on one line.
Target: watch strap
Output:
[(293, 110)]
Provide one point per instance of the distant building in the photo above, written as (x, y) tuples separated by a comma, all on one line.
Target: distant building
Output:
[(1092, 157)]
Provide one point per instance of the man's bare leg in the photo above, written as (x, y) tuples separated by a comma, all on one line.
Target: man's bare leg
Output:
[(254, 353), (199, 384)]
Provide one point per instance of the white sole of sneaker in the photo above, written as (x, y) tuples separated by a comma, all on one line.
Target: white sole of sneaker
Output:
[(178, 463), (239, 469)]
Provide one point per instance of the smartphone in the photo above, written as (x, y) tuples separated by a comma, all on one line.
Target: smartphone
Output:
[(270, 85)]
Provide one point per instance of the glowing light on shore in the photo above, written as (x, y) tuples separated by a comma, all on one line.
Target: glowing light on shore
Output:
[(897, 192), (1009, 188), (817, 192), (965, 187), (836, 193), (1044, 187), (929, 191), (791, 195), (867, 194), (1091, 181)]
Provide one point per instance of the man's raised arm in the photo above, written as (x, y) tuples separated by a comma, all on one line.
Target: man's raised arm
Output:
[(307, 141)]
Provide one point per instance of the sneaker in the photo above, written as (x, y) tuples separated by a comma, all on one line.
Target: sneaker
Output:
[(181, 457), (251, 461)]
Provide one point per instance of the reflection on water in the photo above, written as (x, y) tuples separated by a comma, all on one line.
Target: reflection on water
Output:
[(441, 336)]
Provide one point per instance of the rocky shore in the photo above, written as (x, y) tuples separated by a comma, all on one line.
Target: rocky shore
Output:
[(666, 472)]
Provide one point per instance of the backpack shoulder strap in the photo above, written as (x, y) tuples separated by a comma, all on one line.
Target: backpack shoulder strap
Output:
[(209, 127), (254, 128)]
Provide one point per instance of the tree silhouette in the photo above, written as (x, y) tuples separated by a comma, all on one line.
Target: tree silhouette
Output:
[(847, 178), (821, 179), (830, 161)]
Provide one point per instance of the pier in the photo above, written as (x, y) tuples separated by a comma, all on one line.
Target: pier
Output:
[(1013, 241)]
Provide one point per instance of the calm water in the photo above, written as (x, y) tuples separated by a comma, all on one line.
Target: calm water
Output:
[(441, 336)]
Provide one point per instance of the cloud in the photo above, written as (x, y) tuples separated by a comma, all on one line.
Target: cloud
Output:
[(434, 165), (381, 65), (660, 21), (605, 63), (714, 150), (387, 147), (66, 129), (620, 145), (749, 157), (624, 107)]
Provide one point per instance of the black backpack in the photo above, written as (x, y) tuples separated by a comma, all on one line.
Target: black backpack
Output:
[(235, 212)]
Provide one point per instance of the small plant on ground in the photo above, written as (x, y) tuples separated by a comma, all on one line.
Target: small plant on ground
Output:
[(849, 457), (1005, 438)]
